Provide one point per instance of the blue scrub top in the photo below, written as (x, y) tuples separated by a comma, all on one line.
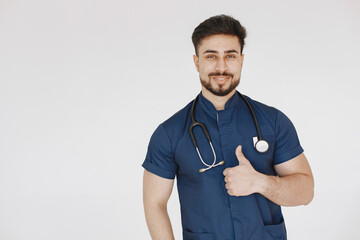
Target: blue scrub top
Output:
[(207, 210)]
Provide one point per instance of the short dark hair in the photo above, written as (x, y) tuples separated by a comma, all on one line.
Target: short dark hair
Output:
[(220, 24)]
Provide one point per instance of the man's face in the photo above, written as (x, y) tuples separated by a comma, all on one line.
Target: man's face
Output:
[(219, 63)]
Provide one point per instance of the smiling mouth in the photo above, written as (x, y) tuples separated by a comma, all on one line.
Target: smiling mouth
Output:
[(220, 79)]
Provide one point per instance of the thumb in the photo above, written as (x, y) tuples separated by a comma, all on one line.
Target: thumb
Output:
[(239, 154)]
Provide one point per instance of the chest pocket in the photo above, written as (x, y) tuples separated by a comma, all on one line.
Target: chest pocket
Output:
[(262, 162)]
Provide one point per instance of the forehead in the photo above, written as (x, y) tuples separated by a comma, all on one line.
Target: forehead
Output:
[(220, 43)]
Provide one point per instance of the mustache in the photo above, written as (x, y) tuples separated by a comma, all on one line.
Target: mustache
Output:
[(221, 74)]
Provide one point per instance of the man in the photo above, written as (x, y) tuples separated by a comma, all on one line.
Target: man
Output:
[(239, 198)]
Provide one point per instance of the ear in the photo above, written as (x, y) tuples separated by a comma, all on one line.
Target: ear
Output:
[(242, 60), (196, 61)]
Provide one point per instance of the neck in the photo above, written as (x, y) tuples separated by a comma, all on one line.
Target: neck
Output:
[(218, 101)]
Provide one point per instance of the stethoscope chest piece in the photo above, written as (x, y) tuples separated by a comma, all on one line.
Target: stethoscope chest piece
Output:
[(262, 146)]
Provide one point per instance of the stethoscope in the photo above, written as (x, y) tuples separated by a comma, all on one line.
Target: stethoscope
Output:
[(261, 145)]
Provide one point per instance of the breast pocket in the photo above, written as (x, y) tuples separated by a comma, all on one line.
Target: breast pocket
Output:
[(262, 162)]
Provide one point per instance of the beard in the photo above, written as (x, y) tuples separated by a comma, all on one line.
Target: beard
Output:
[(221, 90)]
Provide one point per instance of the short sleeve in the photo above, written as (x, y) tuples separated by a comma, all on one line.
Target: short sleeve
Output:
[(287, 144), (159, 158)]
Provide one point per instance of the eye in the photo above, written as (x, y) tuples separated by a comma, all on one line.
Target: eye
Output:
[(231, 56), (211, 56)]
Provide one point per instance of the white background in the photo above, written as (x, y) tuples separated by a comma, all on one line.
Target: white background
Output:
[(83, 85)]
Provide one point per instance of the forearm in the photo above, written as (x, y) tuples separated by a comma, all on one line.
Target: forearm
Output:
[(292, 190), (158, 222)]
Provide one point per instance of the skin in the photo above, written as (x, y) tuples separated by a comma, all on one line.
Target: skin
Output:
[(156, 193), (219, 53), (294, 184)]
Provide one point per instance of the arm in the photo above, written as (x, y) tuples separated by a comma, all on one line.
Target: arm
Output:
[(156, 193), (293, 186)]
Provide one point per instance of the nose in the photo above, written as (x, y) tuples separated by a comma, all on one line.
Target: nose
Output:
[(221, 65)]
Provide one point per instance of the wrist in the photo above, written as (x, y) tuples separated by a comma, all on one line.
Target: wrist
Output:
[(262, 183)]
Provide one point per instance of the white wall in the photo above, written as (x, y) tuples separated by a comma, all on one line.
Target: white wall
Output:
[(83, 84)]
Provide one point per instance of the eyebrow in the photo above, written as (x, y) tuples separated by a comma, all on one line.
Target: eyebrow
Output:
[(231, 51), (214, 51)]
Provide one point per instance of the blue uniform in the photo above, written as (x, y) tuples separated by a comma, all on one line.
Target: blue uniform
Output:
[(207, 210)]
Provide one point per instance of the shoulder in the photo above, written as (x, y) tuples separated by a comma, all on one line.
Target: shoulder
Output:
[(268, 113), (177, 118), (280, 124), (176, 125)]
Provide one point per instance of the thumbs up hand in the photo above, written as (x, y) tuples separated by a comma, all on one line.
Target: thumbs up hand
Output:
[(243, 179)]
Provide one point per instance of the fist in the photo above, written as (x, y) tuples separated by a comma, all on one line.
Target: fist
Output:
[(241, 180)]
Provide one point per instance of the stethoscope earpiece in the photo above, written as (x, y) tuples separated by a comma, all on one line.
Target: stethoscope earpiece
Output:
[(211, 166)]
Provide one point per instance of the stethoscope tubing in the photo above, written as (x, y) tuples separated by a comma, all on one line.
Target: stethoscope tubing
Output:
[(253, 116), (261, 148)]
